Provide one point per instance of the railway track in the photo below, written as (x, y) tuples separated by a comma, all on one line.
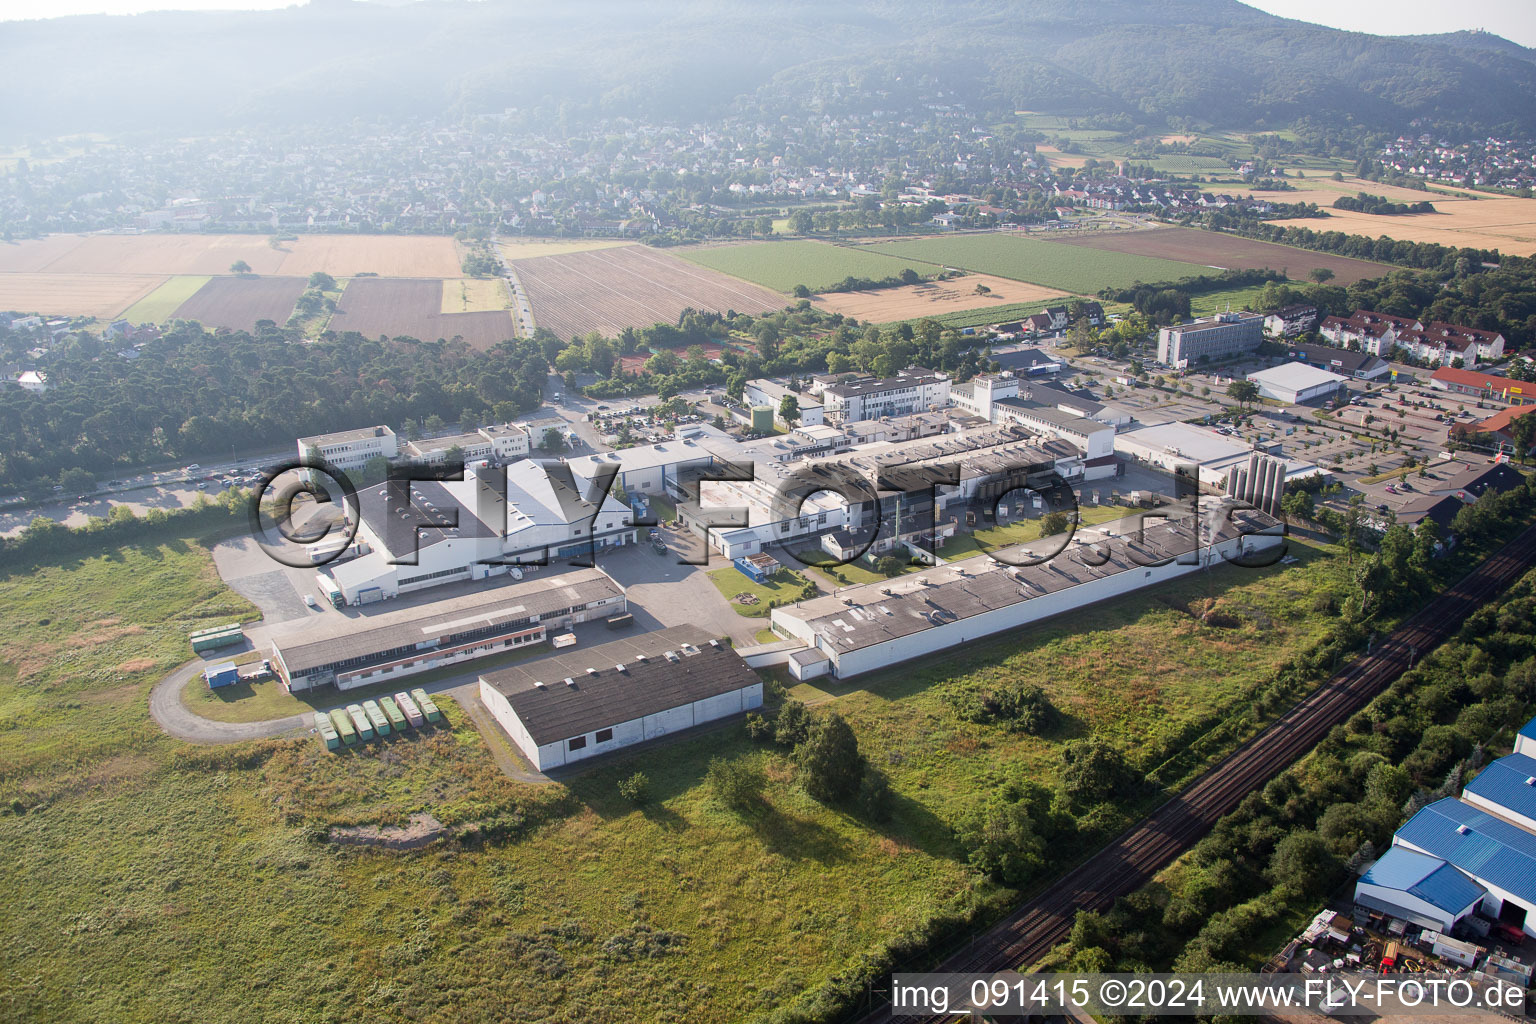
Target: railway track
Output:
[(1147, 847)]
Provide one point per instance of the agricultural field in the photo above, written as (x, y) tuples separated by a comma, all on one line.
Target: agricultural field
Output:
[(933, 298), (238, 302), (1505, 223), (103, 296), (374, 306), (337, 255), (475, 295), (608, 290), (782, 265), (1225, 252), (158, 305), (994, 314), (532, 248), (1080, 271)]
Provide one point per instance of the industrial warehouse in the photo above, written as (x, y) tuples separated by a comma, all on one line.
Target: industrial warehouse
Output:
[(568, 707), (1476, 852), (410, 640), (865, 628), (445, 531)]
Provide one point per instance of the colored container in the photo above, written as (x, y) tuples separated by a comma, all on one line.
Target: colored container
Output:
[(326, 730), (360, 721), (428, 708), (343, 724), (218, 636), (223, 674), (391, 712), (408, 708), (376, 716)]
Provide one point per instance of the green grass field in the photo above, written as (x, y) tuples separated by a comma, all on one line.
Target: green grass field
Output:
[(1215, 302), (965, 544), (159, 304), (1082, 270), (782, 265), (992, 314), (782, 588)]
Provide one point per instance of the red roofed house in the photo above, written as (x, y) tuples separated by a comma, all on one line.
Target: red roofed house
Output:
[(1499, 426)]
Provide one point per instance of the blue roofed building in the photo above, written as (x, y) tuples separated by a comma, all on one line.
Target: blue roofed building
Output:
[(1506, 788), (1419, 889), (1525, 740), (1493, 852)]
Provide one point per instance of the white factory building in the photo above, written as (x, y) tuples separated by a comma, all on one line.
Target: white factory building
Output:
[(866, 628), (475, 528), (1045, 410), (912, 390), (1298, 383), (771, 393), (361, 651), (988, 460), (568, 707), (501, 443), (350, 450), (1169, 445)]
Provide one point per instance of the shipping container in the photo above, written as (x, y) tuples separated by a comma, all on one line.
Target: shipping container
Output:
[(428, 708), (223, 674), (360, 721), (376, 716), (563, 640), (623, 620), (408, 708), (219, 636), (343, 725), (391, 712), (326, 730)]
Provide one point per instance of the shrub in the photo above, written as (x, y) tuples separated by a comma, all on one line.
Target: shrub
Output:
[(636, 789), (737, 784)]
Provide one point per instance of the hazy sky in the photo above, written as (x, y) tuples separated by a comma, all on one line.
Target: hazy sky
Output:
[(1513, 19)]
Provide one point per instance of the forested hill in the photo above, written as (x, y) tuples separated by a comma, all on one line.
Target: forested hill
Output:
[(1211, 60)]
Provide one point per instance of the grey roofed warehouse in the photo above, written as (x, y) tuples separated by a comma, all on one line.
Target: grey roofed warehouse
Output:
[(879, 624), (319, 654), (574, 705)]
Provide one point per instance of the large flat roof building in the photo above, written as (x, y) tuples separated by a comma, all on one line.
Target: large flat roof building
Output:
[(454, 530), (374, 648), (862, 629), (579, 704), (1298, 383)]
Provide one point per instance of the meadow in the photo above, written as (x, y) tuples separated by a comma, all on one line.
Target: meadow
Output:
[(151, 880), (1078, 270), (158, 305), (783, 265)]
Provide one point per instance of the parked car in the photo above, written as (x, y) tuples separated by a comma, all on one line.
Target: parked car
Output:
[(310, 601)]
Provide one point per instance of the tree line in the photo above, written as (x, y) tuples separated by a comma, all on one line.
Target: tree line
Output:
[(193, 393)]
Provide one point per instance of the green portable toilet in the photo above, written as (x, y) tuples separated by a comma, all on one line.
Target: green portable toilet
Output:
[(392, 712), (343, 723), (376, 716)]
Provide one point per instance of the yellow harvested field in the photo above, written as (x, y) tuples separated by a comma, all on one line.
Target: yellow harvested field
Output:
[(1320, 188), (1056, 158), (98, 295), (337, 255), (384, 255), (475, 295), (1169, 140), (529, 248), (933, 298), (1505, 223)]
